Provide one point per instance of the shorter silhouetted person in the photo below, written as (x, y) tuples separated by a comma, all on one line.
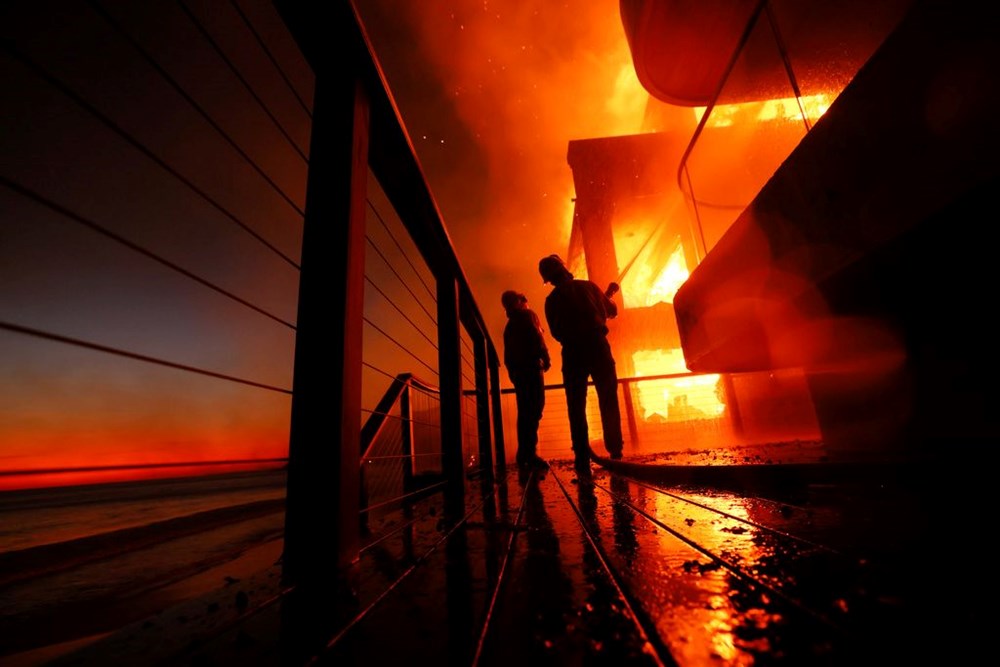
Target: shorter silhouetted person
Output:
[(526, 357), (577, 312)]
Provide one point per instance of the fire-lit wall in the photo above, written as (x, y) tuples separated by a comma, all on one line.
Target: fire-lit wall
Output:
[(860, 260), (631, 226)]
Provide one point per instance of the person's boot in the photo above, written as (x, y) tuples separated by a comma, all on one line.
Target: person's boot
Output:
[(581, 460)]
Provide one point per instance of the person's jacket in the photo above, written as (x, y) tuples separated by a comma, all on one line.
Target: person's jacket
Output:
[(524, 348), (578, 310)]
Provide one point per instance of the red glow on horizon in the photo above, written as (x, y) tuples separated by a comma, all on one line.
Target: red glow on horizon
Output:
[(49, 478), (109, 437)]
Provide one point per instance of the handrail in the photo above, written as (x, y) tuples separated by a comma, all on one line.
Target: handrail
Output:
[(376, 420), (368, 137), (621, 380), (392, 156), (682, 167)]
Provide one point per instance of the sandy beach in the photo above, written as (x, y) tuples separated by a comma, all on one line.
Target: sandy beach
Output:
[(196, 608)]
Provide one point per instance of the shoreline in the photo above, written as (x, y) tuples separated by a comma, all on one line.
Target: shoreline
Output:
[(24, 564), (196, 604), (204, 606), (76, 479)]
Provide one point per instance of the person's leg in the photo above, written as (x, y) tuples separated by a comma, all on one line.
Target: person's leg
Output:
[(533, 406), (525, 421), (575, 381), (606, 383)]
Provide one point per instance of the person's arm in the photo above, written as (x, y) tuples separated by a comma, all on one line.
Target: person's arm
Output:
[(508, 350), (610, 306), (601, 297), (552, 318), (543, 350), (540, 346)]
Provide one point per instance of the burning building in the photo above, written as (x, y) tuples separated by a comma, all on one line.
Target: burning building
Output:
[(801, 245)]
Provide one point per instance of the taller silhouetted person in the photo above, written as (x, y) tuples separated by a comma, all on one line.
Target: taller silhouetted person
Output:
[(577, 312)]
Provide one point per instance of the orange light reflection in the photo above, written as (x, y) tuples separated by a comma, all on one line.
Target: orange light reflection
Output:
[(719, 623), (60, 478), (785, 108)]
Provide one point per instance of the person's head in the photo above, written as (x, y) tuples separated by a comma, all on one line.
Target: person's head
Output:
[(511, 300), (553, 270)]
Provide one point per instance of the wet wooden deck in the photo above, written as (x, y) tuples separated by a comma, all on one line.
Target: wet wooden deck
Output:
[(871, 566)]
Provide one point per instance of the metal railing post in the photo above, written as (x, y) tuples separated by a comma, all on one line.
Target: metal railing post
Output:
[(406, 436), (485, 439), (321, 527), (497, 403), (450, 369), (633, 429)]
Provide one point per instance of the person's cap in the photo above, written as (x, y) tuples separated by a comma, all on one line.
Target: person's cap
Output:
[(551, 267)]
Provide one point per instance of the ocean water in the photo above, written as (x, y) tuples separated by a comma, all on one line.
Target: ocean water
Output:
[(40, 516), (80, 561)]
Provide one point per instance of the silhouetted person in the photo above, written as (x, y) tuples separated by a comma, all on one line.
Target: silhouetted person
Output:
[(577, 312), (526, 357)]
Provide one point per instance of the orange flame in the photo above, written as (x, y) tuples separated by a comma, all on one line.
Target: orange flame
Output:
[(785, 108), (641, 288), (680, 398)]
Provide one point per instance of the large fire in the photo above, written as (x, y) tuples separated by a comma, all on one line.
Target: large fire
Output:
[(785, 108), (677, 398), (649, 279), (640, 288)]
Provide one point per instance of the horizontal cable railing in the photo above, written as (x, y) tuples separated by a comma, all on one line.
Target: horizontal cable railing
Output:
[(401, 452), (155, 257), (139, 287), (665, 414)]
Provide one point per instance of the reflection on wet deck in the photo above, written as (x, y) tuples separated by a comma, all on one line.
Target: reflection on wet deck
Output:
[(556, 567)]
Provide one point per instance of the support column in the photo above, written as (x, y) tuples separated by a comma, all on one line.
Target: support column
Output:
[(486, 462), (450, 369), (497, 403), (321, 521)]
